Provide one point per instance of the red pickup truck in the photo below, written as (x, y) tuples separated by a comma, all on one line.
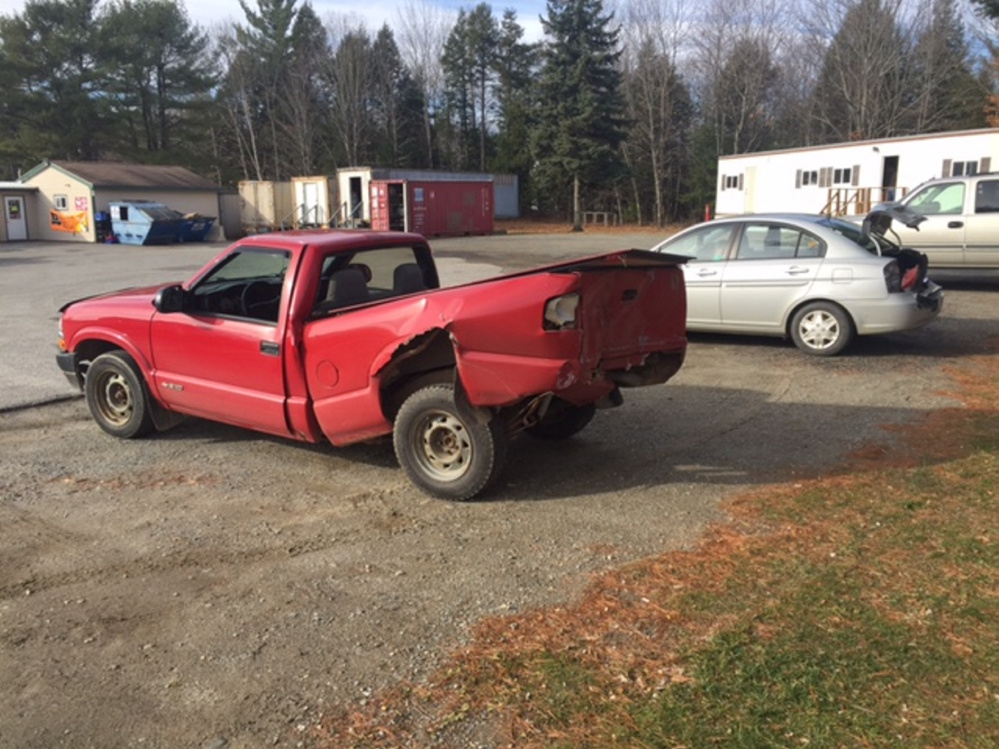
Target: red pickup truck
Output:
[(346, 336)]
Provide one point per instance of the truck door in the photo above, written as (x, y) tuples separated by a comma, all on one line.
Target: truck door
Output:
[(221, 357), (982, 228), (941, 236)]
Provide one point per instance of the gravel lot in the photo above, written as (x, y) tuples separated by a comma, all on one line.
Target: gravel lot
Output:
[(214, 587)]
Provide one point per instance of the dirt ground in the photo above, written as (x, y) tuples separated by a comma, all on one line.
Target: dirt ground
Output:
[(211, 587)]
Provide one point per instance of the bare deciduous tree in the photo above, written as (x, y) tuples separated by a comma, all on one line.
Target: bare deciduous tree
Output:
[(423, 30), (658, 101)]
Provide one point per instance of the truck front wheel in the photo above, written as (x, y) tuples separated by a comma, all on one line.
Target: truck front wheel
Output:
[(444, 449), (117, 397)]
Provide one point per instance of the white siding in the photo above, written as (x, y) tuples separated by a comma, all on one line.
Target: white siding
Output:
[(799, 180)]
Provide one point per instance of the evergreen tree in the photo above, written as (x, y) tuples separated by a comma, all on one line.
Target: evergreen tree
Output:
[(865, 89), (351, 78), (950, 96), (259, 76), (397, 105), (515, 68), (581, 121), (157, 76), (744, 104), (50, 78), (455, 126)]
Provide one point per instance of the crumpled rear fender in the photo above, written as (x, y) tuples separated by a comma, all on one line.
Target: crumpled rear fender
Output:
[(489, 378)]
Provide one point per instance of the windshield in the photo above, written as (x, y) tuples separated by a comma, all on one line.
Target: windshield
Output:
[(851, 232)]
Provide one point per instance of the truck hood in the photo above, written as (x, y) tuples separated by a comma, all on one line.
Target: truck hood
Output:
[(133, 298)]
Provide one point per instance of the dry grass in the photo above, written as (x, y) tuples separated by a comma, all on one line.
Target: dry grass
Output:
[(856, 610)]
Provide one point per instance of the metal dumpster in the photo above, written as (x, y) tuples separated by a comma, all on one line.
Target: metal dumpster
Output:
[(194, 227), (144, 222)]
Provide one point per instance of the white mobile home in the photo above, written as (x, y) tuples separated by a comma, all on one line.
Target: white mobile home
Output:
[(847, 178)]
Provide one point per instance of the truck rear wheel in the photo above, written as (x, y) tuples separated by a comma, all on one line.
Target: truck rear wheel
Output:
[(117, 397), (444, 449)]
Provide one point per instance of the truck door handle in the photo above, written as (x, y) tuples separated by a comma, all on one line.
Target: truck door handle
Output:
[(955, 224), (269, 348)]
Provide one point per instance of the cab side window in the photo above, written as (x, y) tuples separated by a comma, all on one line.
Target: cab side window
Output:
[(348, 279), (246, 284), (939, 199), (987, 196)]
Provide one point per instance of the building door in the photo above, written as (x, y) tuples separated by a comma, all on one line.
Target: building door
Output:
[(889, 178), (355, 211), (749, 196), (17, 224), (310, 205)]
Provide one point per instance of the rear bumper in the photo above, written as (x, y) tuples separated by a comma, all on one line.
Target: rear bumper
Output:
[(898, 312)]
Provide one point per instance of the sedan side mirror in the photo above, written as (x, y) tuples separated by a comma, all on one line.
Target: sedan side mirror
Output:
[(170, 299)]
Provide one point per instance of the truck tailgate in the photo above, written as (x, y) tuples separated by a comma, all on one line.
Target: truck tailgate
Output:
[(633, 303)]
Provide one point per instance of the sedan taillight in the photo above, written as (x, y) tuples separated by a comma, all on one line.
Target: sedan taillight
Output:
[(893, 277)]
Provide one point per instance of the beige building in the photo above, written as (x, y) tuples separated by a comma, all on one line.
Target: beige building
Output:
[(59, 200)]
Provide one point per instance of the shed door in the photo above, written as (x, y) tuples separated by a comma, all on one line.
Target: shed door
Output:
[(749, 196), (17, 225)]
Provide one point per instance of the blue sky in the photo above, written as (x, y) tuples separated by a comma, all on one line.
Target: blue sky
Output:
[(373, 12)]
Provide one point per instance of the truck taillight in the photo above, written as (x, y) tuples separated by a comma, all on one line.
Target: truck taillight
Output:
[(893, 277), (560, 312)]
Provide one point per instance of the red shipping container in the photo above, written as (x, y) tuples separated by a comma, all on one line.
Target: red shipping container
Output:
[(432, 208)]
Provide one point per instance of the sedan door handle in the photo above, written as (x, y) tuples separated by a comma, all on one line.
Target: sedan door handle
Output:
[(796, 270), (269, 348), (955, 225), (704, 272)]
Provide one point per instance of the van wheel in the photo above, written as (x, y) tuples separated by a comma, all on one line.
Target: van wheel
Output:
[(117, 396), (822, 329), (444, 449)]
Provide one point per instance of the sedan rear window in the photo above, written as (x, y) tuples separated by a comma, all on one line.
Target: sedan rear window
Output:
[(777, 242), (852, 232)]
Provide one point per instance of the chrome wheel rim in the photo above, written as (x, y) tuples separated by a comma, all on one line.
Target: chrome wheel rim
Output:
[(819, 330)]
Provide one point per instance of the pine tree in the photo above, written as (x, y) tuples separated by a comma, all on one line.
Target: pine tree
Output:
[(515, 69), (581, 121)]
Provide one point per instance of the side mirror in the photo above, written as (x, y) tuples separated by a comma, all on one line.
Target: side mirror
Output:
[(170, 299)]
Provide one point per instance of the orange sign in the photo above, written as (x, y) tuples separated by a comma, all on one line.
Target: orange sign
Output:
[(70, 221)]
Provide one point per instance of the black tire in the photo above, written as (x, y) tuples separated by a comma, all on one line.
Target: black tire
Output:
[(563, 420), (822, 329), (117, 396), (444, 449)]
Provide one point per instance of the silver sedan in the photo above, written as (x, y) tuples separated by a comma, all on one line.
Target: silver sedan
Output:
[(818, 280)]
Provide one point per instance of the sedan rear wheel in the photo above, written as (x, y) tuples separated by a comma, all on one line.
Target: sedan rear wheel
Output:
[(822, 329)]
